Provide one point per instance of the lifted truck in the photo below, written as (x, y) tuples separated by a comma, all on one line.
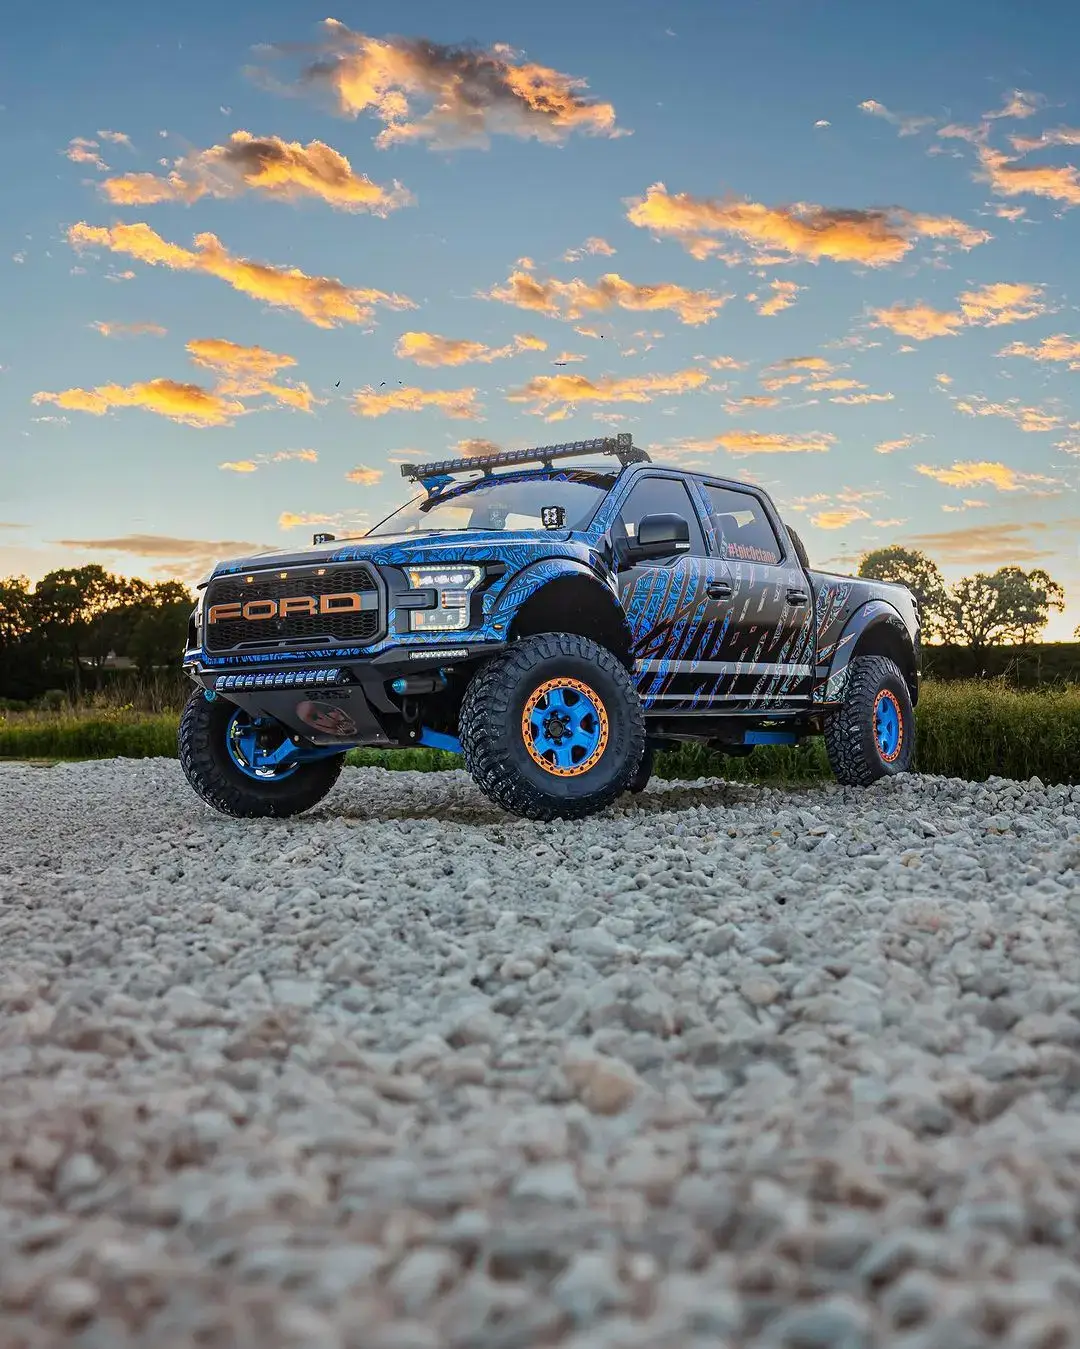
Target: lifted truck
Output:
[(555, 625)]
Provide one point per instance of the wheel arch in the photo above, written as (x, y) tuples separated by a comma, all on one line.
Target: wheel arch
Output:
[(572, 599), (874, 629)]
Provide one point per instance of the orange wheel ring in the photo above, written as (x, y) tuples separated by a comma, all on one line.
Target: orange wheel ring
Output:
[(554, 728), (888, 726)]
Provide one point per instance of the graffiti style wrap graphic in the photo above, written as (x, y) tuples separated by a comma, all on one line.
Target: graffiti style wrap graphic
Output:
[(326, 718)]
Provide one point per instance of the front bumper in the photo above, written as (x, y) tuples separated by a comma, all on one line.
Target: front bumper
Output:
[(344, 702)]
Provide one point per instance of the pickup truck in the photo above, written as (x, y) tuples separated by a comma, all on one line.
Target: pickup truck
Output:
[(553, 623)]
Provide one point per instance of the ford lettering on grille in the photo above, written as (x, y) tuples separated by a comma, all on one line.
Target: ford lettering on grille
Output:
[(273, 610)]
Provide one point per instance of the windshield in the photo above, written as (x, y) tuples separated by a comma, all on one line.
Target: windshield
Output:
[(502, 503)]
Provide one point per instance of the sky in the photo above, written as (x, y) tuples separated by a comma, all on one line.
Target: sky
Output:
[(253, 259)]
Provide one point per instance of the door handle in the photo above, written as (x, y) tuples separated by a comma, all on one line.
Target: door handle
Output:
[(797, 597), (719, 590)]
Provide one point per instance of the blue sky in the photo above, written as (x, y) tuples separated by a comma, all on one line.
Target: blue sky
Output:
[(802, 159)]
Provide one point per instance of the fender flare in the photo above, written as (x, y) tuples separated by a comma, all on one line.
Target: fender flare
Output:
[(525, 584), (830, 676)]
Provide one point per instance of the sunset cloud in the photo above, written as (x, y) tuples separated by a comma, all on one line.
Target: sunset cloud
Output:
[(575, 299), (873, 238), (363, 476), (1019, 103), (459, 403), (891, 446), (282, 456), (982, 473), (558, 392), (1061, 347), (476, 446), (322, 300), (783, 297), (187, 559), (189, 404), (839, 518), (129, 329), (290, 520), (1060, 135), (249, 372), (1056, 182), (833, 385), (760, 442), (593, 246), (986, 545), (1033, 419), (988, 306), (751, 403), (472, 93), (905, 125), (281, 170), (83, 151), (855, 399), (429, 349)]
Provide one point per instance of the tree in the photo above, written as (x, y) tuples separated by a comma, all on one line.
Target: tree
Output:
[(1009, 605), (909, 567), (67, 603)]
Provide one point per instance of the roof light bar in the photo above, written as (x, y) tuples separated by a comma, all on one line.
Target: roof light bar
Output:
[(622, 446)]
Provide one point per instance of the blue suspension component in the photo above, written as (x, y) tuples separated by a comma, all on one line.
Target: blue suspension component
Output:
[(265, 764), (437, 740), (770, 738)]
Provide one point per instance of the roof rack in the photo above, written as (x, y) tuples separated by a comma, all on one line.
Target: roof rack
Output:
[(621, 446)]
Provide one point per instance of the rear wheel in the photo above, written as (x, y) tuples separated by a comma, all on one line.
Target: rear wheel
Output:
[(227, 756), (872, 734), (640, 779), (552, 728)]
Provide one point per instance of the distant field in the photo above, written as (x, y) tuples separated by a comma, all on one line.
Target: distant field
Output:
[(971, 730)]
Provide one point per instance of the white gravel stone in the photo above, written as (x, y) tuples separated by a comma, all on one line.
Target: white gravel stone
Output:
[(726, 1064)]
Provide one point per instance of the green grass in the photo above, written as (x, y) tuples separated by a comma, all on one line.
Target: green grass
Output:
[(967, 730)]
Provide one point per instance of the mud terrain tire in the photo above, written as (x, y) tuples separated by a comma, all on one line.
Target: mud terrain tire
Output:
[(207, 765), (505, 723), (871, 734)]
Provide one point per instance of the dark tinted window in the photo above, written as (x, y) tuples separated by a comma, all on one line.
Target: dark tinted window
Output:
[(662, 496), (743, 531)]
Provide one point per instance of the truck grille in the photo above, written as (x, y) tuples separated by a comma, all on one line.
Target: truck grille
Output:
[(258, 626)]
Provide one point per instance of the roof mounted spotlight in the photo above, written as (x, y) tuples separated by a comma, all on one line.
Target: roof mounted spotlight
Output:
[(435, 474), (322, 538)]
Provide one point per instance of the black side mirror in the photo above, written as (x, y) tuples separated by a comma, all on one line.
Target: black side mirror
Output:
[(660, 536)]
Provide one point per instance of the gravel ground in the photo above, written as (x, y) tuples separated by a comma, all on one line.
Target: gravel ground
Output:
[(727, 1066)]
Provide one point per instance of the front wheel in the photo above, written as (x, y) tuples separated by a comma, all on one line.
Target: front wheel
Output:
[(871, 734), (224, 752), (552, 728)]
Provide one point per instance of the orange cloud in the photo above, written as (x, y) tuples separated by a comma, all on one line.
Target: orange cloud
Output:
[(966, 505), (475, 447), (783, 297), (560, 392), (249, 372), (759, 442), (1058, 183), (1020, 103), (364, 477), (874, 238), (83, 151), (472, 93), (989, 545), (989, 306), (751, 403), (1032, 419), (322, 300), (1060, 347), (129, 329), (460, 403), (251, 465), (725, 363), (829, 385), (186, 559), (290, 520), (575, 299), (891, 446), (859, 398), (983, 473), (189, 404), (429, 349), (281, 170), (592, 246), (1061, 135), (568, 358), (839, 519)]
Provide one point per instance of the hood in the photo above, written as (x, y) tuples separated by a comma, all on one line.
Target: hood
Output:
[(466, 545)]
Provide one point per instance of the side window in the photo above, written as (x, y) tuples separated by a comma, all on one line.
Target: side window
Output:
[(743, 531), (663, 496)]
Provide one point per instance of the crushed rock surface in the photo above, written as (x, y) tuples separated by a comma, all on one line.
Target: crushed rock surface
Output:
[(726, 1066)]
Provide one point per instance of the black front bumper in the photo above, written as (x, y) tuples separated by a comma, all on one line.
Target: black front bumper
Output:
[(328, 702)]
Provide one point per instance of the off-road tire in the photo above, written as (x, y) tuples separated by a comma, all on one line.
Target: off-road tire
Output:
[(854, 755), (204, 757), (639, 780), (490, 729)]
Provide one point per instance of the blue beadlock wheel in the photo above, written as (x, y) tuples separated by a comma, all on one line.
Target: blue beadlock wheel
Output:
[(888, 725), (565, 727), (244, 737)]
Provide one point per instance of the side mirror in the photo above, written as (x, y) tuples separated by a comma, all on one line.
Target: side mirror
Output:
[(660, 536)]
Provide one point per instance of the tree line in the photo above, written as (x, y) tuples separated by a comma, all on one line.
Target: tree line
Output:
[(60, 632)]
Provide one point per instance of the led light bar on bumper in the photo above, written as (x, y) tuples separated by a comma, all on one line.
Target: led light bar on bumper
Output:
[(453, 588), (279, 679)]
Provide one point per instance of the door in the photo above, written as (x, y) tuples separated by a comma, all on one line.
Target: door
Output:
[(672, 604), (767, 646)]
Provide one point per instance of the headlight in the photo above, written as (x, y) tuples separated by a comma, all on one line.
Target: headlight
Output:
[(453, 587)]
